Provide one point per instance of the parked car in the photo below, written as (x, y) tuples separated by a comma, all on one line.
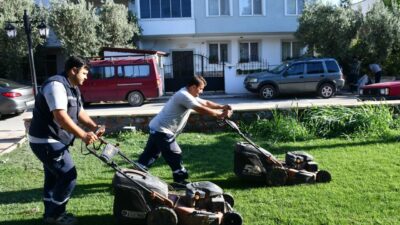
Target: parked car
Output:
[(130, 79), (386, 90), (15, 98), (320, 75)]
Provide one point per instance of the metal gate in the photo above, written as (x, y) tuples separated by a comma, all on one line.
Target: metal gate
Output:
[(185, 64)]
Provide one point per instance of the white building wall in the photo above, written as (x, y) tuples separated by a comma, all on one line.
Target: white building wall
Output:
[(270, 51)]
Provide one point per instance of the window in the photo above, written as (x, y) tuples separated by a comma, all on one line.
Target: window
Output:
[(218, 7), (296, 69), (332, 66), (291, 50), (134, 71), (315, 67), (102, 72), (251, 7), (165, 8), (218, 52), (294, 7), (248, 52)]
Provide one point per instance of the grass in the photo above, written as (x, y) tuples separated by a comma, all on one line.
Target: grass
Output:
[(364, 190)]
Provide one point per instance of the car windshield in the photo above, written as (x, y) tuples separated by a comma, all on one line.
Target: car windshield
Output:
[(9, 84), (279, 68)]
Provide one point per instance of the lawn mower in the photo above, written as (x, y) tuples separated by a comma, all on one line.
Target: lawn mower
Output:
[(251, 162), (141, 198)]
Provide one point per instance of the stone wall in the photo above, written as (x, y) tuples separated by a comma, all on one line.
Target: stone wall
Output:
[(196, 122)]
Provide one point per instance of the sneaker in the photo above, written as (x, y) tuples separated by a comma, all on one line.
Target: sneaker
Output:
[(63, 219)]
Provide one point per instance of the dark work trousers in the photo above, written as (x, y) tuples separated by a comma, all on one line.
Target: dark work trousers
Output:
[(162, 144), (59, 176), (378, 77)]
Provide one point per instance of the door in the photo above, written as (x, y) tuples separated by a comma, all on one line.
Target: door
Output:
[(314, 73), (182, 70), (292, 80), (101, 85)]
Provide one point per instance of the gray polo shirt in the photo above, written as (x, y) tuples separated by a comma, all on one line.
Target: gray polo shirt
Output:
[(173, 117)]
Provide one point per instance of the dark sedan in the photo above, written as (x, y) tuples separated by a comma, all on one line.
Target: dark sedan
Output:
[(15, 97)]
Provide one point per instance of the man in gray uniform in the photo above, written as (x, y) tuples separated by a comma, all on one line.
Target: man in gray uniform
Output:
[(169, 123), (54, 126)]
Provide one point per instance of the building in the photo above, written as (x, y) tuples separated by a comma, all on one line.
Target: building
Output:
[(219, 39), (220, 35)]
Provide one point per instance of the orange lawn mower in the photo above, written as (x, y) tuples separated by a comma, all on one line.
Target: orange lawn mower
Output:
[(141, 198), (253, 163)]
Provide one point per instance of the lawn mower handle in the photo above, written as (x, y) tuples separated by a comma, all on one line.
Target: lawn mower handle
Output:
[(112, 164), (136, 165)]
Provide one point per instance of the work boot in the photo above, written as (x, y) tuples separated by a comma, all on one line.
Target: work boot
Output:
[(63, 219)]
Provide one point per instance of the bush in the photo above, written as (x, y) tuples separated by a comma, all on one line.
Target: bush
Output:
[(327, 122), (281, 127)]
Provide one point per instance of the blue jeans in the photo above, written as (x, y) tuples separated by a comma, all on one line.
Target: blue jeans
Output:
[(59, 176), (164, 144)]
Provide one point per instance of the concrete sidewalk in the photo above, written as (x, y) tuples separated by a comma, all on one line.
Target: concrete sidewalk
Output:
[(12, 132)]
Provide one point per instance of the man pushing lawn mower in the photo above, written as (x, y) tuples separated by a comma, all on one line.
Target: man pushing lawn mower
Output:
[(169, 123)]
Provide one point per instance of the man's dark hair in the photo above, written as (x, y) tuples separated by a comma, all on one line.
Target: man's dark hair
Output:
[(196, 80), (74, 61)]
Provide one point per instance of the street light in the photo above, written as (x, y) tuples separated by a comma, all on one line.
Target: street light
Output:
[(43, 32)]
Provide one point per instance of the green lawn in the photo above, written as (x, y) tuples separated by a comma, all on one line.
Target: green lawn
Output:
[(364, 190)]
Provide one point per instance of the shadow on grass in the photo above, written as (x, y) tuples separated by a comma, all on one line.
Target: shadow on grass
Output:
[(84, 220), (35, 195)]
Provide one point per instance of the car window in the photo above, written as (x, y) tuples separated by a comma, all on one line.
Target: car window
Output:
[(314, 67), (279, 68), (295, 69), (9, 84), (102, 72), (131, 71), (332, 66)]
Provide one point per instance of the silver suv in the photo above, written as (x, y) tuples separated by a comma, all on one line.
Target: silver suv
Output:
[(320, 75)]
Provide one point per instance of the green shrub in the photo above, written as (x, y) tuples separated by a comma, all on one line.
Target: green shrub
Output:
[(281, 127), (327, 122), (374, 120)]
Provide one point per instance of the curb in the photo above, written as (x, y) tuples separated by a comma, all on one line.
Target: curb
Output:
[(14, 146)]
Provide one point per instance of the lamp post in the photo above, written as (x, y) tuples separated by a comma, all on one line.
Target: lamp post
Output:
[(43, 32)]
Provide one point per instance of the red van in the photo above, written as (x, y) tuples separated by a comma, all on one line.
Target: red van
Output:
[(128, 79)]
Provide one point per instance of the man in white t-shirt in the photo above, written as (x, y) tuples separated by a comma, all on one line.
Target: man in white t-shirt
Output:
[(169, 123)]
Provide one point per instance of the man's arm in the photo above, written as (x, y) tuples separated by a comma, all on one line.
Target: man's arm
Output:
[(63, 119), (214, 105), (85, 119), (204, 110)]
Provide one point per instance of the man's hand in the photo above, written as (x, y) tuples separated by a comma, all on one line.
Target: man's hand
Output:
[(227, 107), (89, 138), (101, 129), (226, 113)]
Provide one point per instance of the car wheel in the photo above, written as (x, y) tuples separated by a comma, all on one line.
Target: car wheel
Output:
[(135, 98), (162, 216), (326, 90), (268, 92)]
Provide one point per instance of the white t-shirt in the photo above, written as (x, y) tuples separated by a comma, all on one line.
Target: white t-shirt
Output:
[(173, 117)]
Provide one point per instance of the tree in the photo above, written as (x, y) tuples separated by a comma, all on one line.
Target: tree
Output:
[(117, 27), (75, 26), (13, 52), (328, 30), (380, 33)]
